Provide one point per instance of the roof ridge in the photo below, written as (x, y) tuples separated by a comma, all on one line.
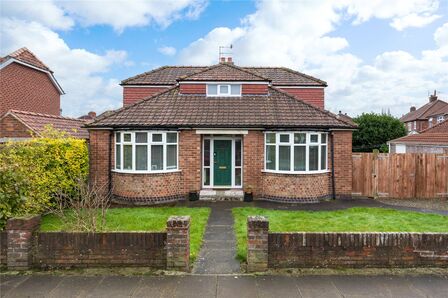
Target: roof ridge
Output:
[(22, 50), (144, 73), (132, 105), (303, 74), (247, 71), (312, 106), (44, 115), (223, 64)]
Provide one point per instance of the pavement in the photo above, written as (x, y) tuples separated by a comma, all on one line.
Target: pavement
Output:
[(228, 286)]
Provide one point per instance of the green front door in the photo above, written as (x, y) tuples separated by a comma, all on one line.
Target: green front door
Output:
[(222, 158)]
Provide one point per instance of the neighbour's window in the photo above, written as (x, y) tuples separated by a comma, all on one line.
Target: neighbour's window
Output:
[(296, 152), (440, 119), (223, 89), (145, 151)]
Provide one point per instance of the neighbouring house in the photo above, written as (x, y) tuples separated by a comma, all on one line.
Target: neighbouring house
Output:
[(30, 99), (431, 140), (417, 120), (27, 84), (302, 86), (22, 125), (345, 117), (218, 132)]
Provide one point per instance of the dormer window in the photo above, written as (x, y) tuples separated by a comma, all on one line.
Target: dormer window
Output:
[(223, 89)]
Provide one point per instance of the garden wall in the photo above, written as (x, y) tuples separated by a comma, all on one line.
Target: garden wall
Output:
[(346, 250), (23, 246), (61, 249)]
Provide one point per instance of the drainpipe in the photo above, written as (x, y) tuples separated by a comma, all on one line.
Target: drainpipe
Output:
[(111, 138), (333, 187)]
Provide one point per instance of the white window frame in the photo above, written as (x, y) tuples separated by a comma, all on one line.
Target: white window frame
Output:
[(218, 92), (292, 146), (440, 118), (149, 143)]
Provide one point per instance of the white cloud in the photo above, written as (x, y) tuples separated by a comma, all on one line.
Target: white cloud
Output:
[(441, 35), (296, 34), (77, 70), (168, 51)]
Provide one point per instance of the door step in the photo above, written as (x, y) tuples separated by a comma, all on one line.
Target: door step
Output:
[(221, 195)]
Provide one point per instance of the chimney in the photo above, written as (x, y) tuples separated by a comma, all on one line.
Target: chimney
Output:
[(413, 109), (229, 60), (92, 115), (222, 60), (433, 97)]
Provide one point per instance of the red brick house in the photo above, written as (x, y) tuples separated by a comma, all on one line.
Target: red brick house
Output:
[(433, 112), (30, 99), (222, 130), (431, 140), (27, 84)]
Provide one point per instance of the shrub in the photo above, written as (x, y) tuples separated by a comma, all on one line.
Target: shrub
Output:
[(34, 171)]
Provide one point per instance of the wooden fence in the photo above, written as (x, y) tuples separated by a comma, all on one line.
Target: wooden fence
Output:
[(409, 175)]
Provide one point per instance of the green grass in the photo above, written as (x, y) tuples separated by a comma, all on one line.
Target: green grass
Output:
[(142, 219), (348, 220)]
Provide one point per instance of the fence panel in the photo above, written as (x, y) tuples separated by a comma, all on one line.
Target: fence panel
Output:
[(410, 175)]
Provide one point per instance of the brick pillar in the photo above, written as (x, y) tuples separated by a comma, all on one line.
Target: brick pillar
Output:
[(257, 243), (20, 241), (178, 243)]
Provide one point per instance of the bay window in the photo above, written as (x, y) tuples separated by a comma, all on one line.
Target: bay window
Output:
[(296, 152), (146, 151)]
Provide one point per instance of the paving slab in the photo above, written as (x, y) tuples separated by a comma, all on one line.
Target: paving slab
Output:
[(9, 282), (431, 286), (277, 286), (397, 286), (317, 286), (358, 286), (157, 287), (195, 286), (75, 286), (116, 286), (35, 286), (236, 286)]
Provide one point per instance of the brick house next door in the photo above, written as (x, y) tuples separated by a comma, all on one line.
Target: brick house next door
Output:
[(222, 157)]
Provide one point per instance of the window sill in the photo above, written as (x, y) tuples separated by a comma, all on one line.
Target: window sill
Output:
[(145, 172), (296, 173)]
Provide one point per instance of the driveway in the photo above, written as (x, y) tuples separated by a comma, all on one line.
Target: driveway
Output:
[(224, 286)]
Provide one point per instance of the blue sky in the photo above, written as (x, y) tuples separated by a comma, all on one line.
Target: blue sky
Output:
[(374, 56)]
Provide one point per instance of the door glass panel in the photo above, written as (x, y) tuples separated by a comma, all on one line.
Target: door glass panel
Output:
[(207, 176), (314, 158), (284, 161), (141, 157), (270, 157), (238, 153), (299, 158), (206, 153), (156, 157), (238, 176)]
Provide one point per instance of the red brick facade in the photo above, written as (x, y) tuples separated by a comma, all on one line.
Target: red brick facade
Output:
[(254, 89), (27, 89), (155, 188), (134, 94), (314, 96), (10, 127), (193, 89)]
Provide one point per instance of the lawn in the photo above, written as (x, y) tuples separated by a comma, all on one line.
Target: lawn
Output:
[(143, 219), (348, 220)]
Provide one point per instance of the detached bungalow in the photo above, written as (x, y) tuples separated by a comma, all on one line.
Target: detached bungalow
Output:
[(219, 131)]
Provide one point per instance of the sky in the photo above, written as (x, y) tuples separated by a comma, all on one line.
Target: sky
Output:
[(376, 56)]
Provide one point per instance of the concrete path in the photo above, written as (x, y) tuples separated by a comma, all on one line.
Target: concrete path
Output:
[(218, 250), (223, 286)]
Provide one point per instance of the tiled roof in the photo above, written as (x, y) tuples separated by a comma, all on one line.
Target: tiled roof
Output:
[(26, 56), (436, 135), (168, 75), (37, 123), (223, 72), (429, 109), (171, 109)]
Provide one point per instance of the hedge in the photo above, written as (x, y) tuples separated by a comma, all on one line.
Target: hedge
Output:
[(32, 172)]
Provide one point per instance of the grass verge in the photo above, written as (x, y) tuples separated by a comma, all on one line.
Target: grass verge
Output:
[(142, 219), (347, 220)]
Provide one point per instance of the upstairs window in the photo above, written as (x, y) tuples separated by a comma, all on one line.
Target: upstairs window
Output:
[(440, 119), (223, 89)]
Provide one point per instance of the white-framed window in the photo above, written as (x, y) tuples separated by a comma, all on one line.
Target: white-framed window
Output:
[(409, 126), (415, 125), (146, 151), (430, 122), (223, 90), (440, 118), (296, 152)]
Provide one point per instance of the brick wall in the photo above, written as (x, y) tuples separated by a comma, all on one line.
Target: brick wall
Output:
[(342, 163), (190, 161), (341, 250), (314, 96), (3, 247), (134, 94), (147, 188), (253, 160), (257, 89), (99, 158), (10, 127), (192, 89), (296, 187), (27, 89), (63, 249)]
